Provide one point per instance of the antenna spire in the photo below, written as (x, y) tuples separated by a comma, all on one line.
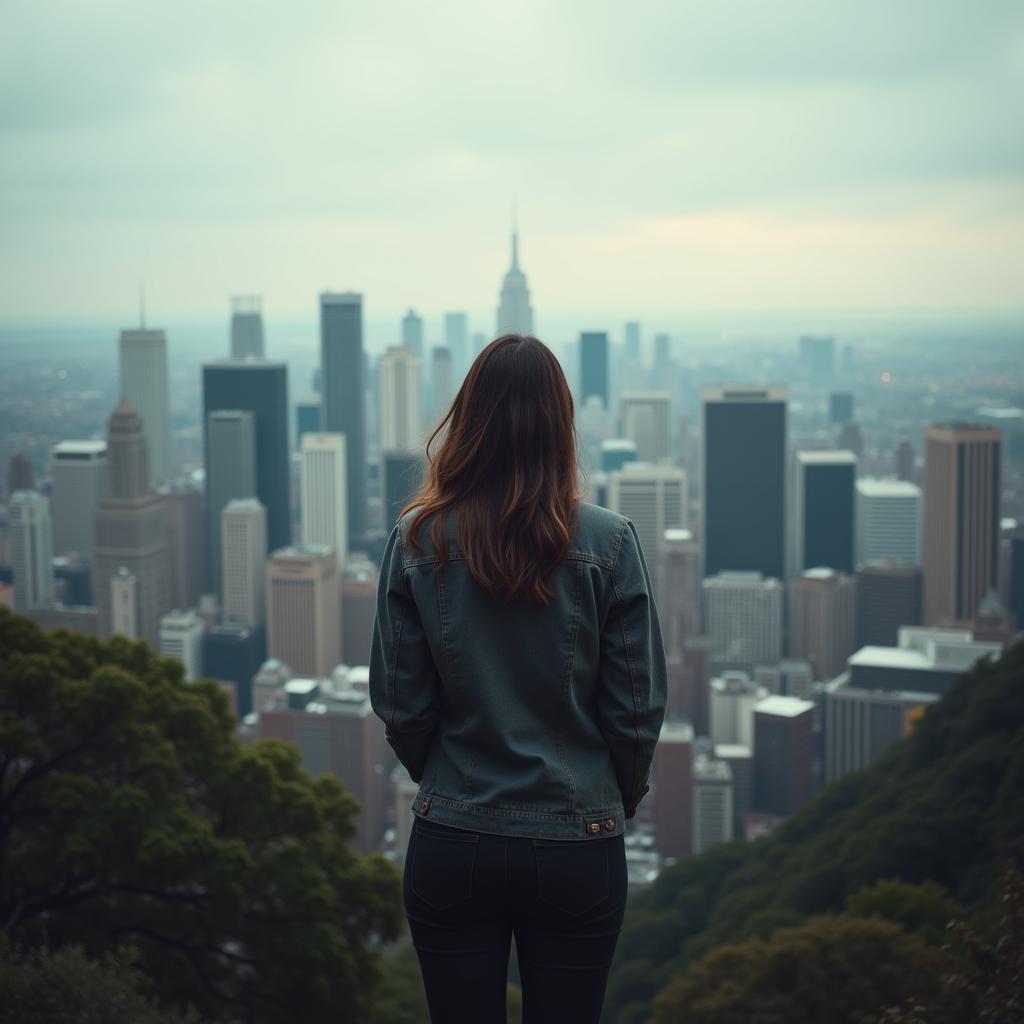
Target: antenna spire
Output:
[(515, 238)]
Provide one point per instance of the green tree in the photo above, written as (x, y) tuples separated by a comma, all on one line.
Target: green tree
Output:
[(925, 909), (130, 813), (829, 970)]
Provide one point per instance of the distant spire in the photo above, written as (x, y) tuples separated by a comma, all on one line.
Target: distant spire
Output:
[(515, 239)]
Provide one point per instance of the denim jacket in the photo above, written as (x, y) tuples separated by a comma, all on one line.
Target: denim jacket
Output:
[(513, 717)]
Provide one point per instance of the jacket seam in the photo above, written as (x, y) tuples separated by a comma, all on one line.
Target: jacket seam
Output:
[(567, 685), (627, 645), (574, 556)]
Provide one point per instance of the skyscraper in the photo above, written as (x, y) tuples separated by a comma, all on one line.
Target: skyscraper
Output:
[(823, 510), (888, 596), (783, 754), (455, 340), (131, 531), (743, 618), (961, 519), (401, 476), (646, 421), (78, 470), (246, 327), (244, 545), (632, 332), (144, 384), (32, 549), (672, 784), (324, 508), (442, 381), (258, 387), (743, 465), (514, 311), (230, 473), (712, 803), (818, 356), (594, 366), (888, 522), (412, 333), (401, 427), (341, 393), (304, 609), (183, 506), (823, 620), (181, 637), (679, 593)]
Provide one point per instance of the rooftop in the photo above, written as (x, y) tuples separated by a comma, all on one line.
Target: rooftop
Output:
[(784, 707), (885, 487), (840, 457)]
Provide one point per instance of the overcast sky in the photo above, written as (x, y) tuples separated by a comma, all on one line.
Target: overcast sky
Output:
[(663, 156)]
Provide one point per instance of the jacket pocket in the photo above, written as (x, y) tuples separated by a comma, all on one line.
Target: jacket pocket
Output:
[(441, 872), (572, 876)]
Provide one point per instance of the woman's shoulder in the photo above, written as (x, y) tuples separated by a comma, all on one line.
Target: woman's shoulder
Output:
[(600, 533)]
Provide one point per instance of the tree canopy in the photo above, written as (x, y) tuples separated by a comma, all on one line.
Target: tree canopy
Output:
[(131, 814)]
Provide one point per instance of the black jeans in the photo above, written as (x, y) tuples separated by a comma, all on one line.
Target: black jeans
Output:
[(466, 893)]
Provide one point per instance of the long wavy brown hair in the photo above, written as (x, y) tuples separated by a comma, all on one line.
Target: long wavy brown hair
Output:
[(508, 465)]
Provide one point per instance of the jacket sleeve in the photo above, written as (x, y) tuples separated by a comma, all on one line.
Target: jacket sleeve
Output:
[(633, 686), (403, 680)]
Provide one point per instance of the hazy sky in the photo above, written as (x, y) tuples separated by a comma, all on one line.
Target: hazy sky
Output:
[(663, 155)]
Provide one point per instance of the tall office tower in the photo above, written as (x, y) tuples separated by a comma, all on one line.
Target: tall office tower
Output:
[(615, 453), (594, 366), (678, 595), (307, 420), (231, 472), (783, 754), (888, 596), (662, 363), (183, 506), (124, 604), (655, 498), (336, 731), (743, 618), (672, 785), (733, 697), (412, 333), (456, 340), (646, 421), (905, 459), (961, 519), (743, 468), (358, 608), (632, 335), (400, 387), (72, 581), (144, 383), (304, 609), (823, 510), (233, 654), (740, 760), (78, 470), (712, 803), (324, 508), (696, 670), (247, 327), (823, 619), (442, 381), (244, 549), (20, 474), (818, 356), (131, 529), (515, 315), (181, 637), (791, 677), (32, 549), (401, 477), (840, 407), (888, 522), (341, 393), (259, 388)]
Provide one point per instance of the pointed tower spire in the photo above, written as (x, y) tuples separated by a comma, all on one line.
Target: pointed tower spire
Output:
[(515, 239)]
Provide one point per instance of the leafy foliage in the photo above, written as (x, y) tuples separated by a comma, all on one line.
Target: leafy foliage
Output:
[(130, 813), (945, 806)]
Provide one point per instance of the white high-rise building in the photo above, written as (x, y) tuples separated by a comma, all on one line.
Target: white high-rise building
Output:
[(324, 499), (888, 521), (412, 333), (79, 473), (124, 604), (244, 546), (181, 637), (743, 618), (654, 498), (712, 803), (144, 384), (733, 698), (647, 422), (400, 383), (31, 549), (515, 314), (442, 381)]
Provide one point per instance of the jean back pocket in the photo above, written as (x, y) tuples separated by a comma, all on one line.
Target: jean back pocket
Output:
[(442, 864), (572, 876)]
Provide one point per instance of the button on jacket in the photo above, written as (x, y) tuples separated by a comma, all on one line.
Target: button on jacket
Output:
[(517, 718)]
